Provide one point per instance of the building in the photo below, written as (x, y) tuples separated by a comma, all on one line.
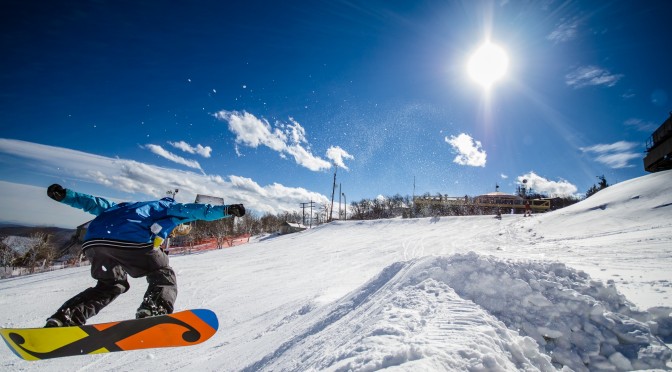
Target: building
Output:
[(490, 203), (659, 148), (289, 227), (507, 202)]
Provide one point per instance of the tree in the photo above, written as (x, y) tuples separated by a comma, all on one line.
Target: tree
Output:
[(7, 254), (249, 224), (41, 250), (600, 186)]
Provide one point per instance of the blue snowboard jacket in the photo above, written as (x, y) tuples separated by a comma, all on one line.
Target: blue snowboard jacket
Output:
[(133, 221)]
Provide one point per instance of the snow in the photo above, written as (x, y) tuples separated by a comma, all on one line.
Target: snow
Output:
[(587, 287)]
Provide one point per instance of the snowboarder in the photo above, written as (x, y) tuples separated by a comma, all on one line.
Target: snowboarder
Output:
[(125, 239)]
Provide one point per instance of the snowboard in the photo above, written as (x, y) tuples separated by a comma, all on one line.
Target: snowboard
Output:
[(184, 328)]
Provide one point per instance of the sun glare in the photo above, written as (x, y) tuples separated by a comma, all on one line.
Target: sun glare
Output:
[(488, 64)]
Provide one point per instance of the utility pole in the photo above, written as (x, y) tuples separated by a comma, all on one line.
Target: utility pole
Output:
[(303, 212), (303, 207), (311, 214), (413, 198), (339, 200), (333, 190)]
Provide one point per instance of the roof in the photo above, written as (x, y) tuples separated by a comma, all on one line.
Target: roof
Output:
[(292, 224), (501, 195)]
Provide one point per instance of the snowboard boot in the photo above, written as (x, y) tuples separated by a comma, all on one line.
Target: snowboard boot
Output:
[(60, 319), (53, 322), (150, 308)]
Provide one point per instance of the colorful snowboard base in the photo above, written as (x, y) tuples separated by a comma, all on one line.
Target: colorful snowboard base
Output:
[(184, 328)]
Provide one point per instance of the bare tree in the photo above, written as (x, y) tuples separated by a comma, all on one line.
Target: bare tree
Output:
[(40, 250), (7, 256)]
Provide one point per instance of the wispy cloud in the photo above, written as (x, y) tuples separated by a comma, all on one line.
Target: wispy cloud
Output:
[(591, 75), (469, 151), (284, 138), (615, 155), (542, 185), (564, 31), (158, 150), (196, 150), (640, 125), (628, 94), (130, 176)]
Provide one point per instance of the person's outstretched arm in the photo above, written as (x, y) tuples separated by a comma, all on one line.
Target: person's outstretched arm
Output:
[(91, 204), (205, 212)]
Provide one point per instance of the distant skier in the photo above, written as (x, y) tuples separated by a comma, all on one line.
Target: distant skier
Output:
[(125, 239), (528, 209)]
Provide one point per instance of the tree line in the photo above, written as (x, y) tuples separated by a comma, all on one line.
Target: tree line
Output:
[(41, 250), (403, 206)]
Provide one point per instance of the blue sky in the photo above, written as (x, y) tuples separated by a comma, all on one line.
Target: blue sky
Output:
[(255, 101)]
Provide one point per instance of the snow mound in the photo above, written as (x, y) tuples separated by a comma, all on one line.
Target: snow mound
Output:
[(422, 315), (642, 201)]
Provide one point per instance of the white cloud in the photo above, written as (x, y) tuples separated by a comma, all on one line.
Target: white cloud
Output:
[(640, 125), (564, 31), (30, 206), (591, 75), (158, 150), (284, 138), (616, 146), (253, 132), (541, 185), (197, 150), (615, 155), (337, 154), (469, 151), (304, 157), (150, 181), (618, 160)]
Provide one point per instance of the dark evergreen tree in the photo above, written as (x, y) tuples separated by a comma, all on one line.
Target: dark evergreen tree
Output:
[(603, 184)]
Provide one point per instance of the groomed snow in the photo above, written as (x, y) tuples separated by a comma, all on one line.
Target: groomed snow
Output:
[(587, 287)]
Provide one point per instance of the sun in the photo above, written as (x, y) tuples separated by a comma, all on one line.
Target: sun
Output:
[(488, 64)]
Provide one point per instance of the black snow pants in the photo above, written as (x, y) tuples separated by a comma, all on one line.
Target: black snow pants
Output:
[(109, 266)]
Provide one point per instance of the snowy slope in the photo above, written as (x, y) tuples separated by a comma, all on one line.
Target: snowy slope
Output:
[(586, 287)]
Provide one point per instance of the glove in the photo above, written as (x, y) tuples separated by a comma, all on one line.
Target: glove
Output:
[(56, 192), (237, 210)]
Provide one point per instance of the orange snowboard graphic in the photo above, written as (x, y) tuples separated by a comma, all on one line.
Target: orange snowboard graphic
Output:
[(184, 328)]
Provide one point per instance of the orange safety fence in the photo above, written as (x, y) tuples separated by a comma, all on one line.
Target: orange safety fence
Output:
[(209, 244)]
